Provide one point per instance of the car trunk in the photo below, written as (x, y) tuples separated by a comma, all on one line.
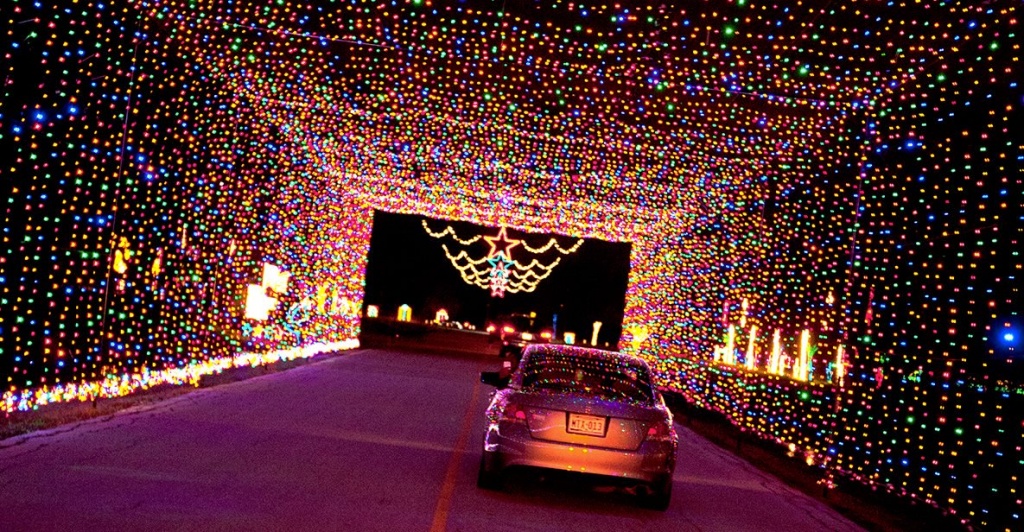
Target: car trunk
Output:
[(588, 422)]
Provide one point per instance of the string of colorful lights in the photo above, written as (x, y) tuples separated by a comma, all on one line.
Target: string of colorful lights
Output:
[(824, 199)]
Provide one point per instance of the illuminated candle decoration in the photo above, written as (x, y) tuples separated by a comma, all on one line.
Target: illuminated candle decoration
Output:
[(776, 366), (404, 313), (828, 189), (751, 359)]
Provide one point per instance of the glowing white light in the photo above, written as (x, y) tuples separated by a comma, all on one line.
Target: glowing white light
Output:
[(840, 365), (275, 278), (257, 304), (729, 354), (801, 368), (750, 358), (776, 358)]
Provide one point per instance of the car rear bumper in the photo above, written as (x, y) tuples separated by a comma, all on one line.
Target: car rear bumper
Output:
[(649, 463)]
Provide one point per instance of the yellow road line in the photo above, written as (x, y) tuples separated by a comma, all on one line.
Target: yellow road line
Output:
[(444, 500)]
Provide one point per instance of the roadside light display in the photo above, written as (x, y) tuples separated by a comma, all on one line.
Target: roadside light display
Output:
[(824, 199)]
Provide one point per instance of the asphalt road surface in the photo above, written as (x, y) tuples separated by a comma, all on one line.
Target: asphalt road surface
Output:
[(370, 440)]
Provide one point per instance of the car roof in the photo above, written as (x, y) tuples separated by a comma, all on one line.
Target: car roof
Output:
[(584, 352)]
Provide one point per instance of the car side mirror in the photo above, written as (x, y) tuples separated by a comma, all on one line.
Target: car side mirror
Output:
[(495, 378)]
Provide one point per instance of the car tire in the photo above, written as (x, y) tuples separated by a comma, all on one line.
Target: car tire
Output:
[(488, 478), (659, 494)]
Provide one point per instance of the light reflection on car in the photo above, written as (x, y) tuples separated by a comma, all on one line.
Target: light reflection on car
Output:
[(581, 410)]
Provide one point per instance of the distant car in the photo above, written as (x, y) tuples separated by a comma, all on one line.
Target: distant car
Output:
[(515, 332), (583, 410)]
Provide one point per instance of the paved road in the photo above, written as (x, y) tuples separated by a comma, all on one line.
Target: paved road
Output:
[(371, 440)]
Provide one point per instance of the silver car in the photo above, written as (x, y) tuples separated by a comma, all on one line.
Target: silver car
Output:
[(581, 410)]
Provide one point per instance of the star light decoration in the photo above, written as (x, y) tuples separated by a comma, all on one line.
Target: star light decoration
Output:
[(497, 271), (500, 259)]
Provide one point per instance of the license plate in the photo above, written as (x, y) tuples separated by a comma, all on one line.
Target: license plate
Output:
[(584, 424)]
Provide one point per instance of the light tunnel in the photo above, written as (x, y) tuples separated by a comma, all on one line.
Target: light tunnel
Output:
[(824, 199)]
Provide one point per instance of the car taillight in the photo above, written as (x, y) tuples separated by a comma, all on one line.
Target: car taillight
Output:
[(660, 431), (513, 414)]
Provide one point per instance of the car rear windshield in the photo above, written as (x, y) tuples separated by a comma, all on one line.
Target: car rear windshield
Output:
[(606, 377)]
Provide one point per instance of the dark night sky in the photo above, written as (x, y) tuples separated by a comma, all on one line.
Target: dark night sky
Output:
[(408, 266)]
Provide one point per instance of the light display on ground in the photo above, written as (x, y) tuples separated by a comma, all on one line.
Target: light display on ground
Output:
[(825, 194)]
